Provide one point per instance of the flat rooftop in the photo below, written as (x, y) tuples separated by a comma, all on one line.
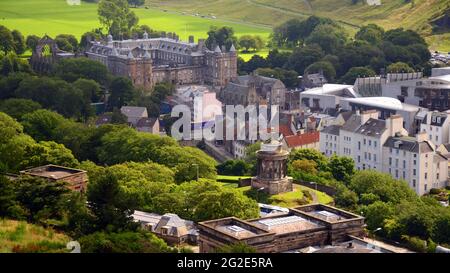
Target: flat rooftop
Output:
[(52, 172), (327, 213), (285, 224)]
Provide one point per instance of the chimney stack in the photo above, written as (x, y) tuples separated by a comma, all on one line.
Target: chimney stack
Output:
[(394, 124), (366, 115), (422, 136)]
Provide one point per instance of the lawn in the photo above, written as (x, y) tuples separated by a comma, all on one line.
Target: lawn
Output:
[(16, 235), (54, 17), (230, 178), (288, 199)]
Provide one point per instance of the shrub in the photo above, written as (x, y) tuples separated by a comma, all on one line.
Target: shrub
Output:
[(435, 191), (415, 243)]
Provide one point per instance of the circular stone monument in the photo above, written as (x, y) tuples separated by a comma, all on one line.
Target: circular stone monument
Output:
[(271, 167)]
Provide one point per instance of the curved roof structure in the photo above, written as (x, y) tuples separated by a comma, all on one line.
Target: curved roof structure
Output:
[(380, 102)]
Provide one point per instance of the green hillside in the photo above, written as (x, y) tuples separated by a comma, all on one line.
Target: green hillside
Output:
[(391, 14), (56, 16), (19, 236)]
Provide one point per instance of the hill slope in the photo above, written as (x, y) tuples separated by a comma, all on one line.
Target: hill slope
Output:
[(19, 236), (391, 14)]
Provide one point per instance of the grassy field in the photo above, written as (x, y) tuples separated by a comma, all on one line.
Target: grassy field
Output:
[(289, 199), (391, 14), (20, 236), (54, 17)]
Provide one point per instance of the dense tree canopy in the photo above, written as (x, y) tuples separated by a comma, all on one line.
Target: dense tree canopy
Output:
[(117, 17)]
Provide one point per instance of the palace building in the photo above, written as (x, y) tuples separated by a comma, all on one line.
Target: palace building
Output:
[(148, 61)]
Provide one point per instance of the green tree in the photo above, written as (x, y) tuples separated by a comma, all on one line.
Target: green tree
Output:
[(17, 108), (305, 165), (6, 40), (91, 89), (329, 37), (110, 205), (399, 67), (117, 17), (310, 154), (376, 214), (441, 229), (42, 124), (370, 33), (32, 41), (382, 185), (326, 67), (13, 143), (43, 200), (123, 242), (73, 69), (223, 36), (19, 42), (122, 92), (342, 168), (48, 152), (356, 72), (302, 57), (233, 167)]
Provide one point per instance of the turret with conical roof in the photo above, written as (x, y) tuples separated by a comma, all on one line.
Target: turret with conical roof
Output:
[(232, 48)]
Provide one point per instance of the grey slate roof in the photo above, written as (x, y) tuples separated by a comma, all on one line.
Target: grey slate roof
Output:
[(146, 122), (409, 144), (372, 127), (133, 111), (437, 119), (332, 130), (352, 124)]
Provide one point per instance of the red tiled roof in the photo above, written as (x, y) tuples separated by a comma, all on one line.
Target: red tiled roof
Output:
[(303, 139), (283, 129)]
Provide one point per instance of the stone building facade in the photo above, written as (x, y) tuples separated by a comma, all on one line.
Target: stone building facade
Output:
[(46, 54), (148, 61), (76, 179), (254, 90), (310, 225)]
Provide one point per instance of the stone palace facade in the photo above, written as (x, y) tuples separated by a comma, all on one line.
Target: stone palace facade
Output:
[(148, 61)]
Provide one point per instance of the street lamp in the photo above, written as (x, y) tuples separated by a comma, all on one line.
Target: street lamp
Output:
[(373, 234), (257, 193), (196, 165), (315, 184)]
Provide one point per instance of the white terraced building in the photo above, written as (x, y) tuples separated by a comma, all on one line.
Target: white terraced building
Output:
[(383, 145)]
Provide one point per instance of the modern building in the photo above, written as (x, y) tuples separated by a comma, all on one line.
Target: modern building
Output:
[(170, 227), (386, 107), (76, 179), (148, 61), (299, 228), (327, 96), (432, 93)]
